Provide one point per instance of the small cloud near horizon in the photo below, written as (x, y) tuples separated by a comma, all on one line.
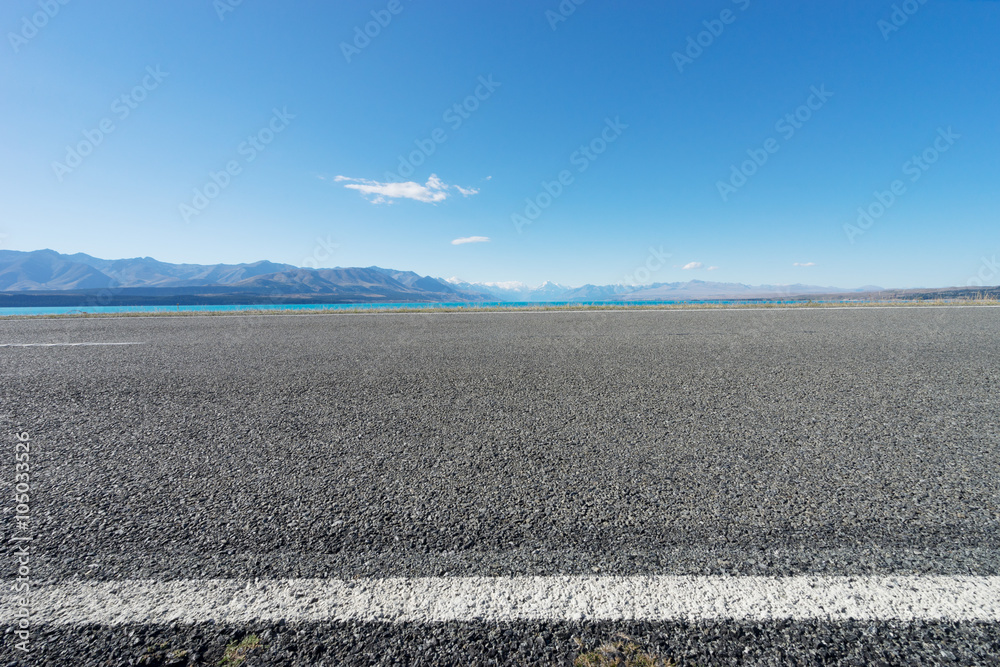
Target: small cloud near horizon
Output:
[(433, 191), (804, 264), (692, 265), (471, 239), (712, 268)]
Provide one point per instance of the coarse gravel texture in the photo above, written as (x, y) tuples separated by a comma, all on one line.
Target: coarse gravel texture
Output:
[(471, 643), (766, 442)]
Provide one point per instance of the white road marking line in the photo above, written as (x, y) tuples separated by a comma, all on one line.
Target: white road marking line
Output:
[(60, 344), (557, 598)]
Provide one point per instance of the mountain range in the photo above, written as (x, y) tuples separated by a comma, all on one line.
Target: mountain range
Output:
[(46, 276)]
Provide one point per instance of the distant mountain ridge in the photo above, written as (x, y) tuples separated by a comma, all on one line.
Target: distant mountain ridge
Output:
[(148, 272), (513, 290), (49, 270), (46, 272), (687, 290)]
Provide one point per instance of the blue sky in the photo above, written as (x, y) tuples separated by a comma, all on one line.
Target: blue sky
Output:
[(820, 108)]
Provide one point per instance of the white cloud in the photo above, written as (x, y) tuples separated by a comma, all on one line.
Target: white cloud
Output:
[(692, 265), (804, 264), (431, 192), (471, 239), (713, 268)]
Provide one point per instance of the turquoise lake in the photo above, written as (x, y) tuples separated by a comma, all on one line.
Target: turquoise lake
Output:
[(235, 308)]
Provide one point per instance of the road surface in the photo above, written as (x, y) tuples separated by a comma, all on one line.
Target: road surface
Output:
[(721, 486)]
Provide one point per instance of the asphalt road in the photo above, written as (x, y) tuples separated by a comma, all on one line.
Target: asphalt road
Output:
[(713, 442)]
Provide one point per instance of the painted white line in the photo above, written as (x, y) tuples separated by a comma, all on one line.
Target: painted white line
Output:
[(559, 598), (60, 344)]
